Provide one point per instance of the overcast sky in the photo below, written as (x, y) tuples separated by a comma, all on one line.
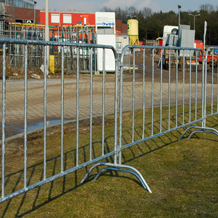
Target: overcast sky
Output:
[(97, 5)]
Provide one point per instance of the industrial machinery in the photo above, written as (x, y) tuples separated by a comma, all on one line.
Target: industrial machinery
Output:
[(182, 36)]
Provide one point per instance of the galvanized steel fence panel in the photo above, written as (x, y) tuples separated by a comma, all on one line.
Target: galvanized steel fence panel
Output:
[(211, 81), (178, 85), (168, 90), (209, 92), (69, 106)]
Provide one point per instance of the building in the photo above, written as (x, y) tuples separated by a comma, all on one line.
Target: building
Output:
[(121, 28), (68, 18), (20, 3), (21, 11)]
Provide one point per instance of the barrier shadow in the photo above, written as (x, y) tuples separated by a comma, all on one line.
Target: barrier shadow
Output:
[(130, 154)]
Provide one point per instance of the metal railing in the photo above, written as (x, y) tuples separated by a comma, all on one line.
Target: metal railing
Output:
[(176, 97), (184, 87), (76, 34), (45, 110), (154, 87), (209, 92)]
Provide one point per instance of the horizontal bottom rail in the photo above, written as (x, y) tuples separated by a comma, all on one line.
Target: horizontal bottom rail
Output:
[(50, 179)]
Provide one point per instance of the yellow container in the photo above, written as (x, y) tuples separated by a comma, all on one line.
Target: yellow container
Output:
[(133, 31), (132, 25)]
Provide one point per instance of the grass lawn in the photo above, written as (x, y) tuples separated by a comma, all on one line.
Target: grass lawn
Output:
[(182, 175)]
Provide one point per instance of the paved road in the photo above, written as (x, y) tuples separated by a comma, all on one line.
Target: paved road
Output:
[(15, 99)]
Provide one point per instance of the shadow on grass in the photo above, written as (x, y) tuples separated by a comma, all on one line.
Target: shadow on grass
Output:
[(130, 154)]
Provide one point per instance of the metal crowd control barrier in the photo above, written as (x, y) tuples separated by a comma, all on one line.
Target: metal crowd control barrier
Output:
[(8, 194), (182, 86), (179, 92), (210, 92)]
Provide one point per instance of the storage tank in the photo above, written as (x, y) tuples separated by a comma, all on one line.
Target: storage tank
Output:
[(132, 30)]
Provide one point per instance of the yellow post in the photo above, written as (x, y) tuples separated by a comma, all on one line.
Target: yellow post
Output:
[(52, 64)]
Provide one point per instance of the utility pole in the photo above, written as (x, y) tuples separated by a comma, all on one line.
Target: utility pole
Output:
[(46, 21), (34, 12), (47, 28), (179, 6)]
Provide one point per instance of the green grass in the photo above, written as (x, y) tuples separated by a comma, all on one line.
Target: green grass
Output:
[(181, 174)]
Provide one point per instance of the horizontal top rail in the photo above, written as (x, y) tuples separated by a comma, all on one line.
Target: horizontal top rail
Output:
[(208, 49), (157, 47), (52, 43), (162, 47)]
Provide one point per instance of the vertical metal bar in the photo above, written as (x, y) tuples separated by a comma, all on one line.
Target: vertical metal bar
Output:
[(205, 91), (116, 145), (183, 91), (77, 109), (45, 108), (62, 108), (3, 117), (217, 86), (202, 89), (161, 89), (95, 59), (83, 53), (196, 87), (212, 81), (133, 98), (190, 83), (25, 116), (23, 47), (169, 90), (143, 90), (103, 102), (204, 102), (152, 96), (91, 104), (121, 111), (177, 87)]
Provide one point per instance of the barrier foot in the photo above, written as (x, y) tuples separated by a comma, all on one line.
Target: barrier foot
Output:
[(118, 167), (202, 129)]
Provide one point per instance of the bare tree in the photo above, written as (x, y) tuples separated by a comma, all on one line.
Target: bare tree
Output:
[(207, 7), (146, 12), (132, 12), (106, 9)]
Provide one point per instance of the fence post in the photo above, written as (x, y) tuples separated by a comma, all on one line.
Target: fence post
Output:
[(204, 90)]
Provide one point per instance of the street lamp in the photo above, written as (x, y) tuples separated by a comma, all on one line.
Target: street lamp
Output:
[(179, 6), (34, 12), (194, 18)]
